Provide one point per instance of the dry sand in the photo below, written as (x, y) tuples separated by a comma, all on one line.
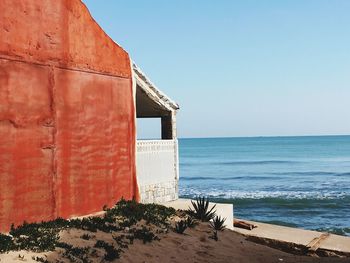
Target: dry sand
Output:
[(193, 246)]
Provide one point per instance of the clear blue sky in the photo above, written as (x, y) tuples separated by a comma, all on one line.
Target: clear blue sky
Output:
[(241, 68)]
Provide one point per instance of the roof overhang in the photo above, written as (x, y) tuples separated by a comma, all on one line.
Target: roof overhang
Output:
[(150, 101)]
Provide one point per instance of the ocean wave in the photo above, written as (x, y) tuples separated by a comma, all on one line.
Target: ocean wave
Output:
[(311, 173), (255, 195), (227, 178), (342, 231), (264, 176), (258, 162), (262, 162), (200, 178), (343, 174)]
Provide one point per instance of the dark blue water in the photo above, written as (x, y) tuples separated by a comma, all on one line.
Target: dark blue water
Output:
[(294, 181)]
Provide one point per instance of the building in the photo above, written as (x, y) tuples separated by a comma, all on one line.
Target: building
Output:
[(69, 98)]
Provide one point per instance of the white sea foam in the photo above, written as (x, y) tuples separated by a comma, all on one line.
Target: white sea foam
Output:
[(234, 194)]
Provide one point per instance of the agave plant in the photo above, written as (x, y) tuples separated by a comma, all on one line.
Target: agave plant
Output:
[(201, 209), (191, 222), (217, 223), (180, 226), (215, 235)]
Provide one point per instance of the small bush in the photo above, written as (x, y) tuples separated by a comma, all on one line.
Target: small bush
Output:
[(40, 259), (111, 252), (134, 212), (180, 227), (120, 241), (144, 234), (86, 237), (73, 253), (131, 239), (190, 222), (6, 243), (218, 223), (38, 237), (201, 209), (93, 224)]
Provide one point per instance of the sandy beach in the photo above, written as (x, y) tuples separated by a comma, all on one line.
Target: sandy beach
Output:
[(193, 246), (132, 232)]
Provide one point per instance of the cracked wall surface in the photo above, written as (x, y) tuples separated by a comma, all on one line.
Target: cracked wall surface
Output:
[(67, 131)]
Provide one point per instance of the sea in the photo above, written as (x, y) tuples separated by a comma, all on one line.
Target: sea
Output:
[(300, 182)]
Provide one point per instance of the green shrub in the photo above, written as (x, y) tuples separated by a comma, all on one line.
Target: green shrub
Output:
[(93, 224), (86, 236), (144, 234), (37, 237), (133, 212), (201, 209), (75, 254), (218, 223), (180, 226), (40, 259), (6, 243), (190, 222), (120, 241), (111, 252)]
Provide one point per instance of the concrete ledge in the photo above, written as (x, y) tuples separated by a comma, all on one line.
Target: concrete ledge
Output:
[(223, 210), (304, 241)]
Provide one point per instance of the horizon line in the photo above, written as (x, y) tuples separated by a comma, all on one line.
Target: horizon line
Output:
[(266, 136)]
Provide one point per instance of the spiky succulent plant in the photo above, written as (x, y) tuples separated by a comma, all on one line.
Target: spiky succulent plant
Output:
[(201, 209), (217, 223)]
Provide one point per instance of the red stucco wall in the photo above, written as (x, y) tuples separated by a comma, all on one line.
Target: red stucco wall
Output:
[(67, 131)]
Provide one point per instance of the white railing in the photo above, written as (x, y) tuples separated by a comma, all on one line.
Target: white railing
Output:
[(157, 170)]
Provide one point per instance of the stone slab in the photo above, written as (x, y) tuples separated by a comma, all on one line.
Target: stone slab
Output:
[(297, 236)]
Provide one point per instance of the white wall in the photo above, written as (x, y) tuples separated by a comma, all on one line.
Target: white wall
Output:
[(157, 170)]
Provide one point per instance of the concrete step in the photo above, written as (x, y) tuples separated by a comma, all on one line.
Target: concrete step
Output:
[(312, 241)]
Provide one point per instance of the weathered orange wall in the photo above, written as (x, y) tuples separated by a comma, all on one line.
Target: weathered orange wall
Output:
[(67, 131)]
